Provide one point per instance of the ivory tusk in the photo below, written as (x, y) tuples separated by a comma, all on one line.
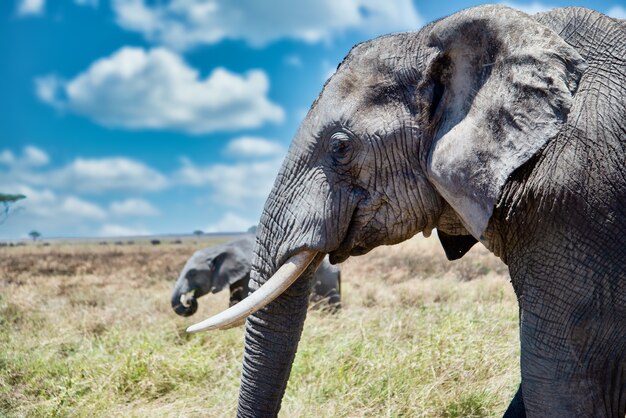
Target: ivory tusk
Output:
[(270, 290)]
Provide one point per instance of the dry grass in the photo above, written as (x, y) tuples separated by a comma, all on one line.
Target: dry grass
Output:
[(87, 330)]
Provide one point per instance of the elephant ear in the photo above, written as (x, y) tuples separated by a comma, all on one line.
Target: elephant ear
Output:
[(502, 88), (230, 266)]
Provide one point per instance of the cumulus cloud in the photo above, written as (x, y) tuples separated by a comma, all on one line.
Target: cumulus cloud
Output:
[(30, 7), (46, 204), (231, 222), (107, 174), (7, 157), (133, 207), (84, 175), (74, 206), (35, 156), (183, 24), (31, 156), (248, 146), (237, 185), (156, 89), (529, 8), (618, 12), (114, 230)]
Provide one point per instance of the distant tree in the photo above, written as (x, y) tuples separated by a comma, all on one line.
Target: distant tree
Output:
[(197, 232), (34, 234), (252, 229), (7, 201)]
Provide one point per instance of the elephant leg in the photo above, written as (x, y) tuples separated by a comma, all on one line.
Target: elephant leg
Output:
[(328, 291), (239, 290), (573, 367), (516, 407)]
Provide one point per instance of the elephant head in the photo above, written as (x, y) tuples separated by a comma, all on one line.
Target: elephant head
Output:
[(414, 131), (211, 270)]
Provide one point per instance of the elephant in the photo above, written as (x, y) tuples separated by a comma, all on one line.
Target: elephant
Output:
[(491, 126), (212, 269)]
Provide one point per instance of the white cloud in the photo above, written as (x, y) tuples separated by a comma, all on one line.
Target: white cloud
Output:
[(133, 207), (248, 146), (106, 174), (617, 12), (238, 185), (183, 24), (156, 89), (7, 157), (293, 60), (82, 175), (231, 222), (529, 8), (46, 204), (47, 88), (35, 156), (74, 206), (31, 156), (114, 230), (30, 7)]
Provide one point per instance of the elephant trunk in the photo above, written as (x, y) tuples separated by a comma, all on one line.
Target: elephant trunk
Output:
[(183, 298), (273, 332)]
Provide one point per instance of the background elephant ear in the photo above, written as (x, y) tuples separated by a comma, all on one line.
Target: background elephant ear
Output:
[(502, 88), (230, 266)]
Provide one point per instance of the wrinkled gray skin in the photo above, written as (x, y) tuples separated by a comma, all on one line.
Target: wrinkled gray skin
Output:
[(488, 125), (214, 268)]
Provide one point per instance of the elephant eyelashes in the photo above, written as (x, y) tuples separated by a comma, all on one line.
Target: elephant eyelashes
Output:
[(340, 147)]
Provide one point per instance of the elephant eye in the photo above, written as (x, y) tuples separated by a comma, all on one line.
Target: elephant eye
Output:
[(340, 146)]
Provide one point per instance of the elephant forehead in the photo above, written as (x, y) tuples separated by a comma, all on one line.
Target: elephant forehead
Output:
[(345, 100), (197, 261)]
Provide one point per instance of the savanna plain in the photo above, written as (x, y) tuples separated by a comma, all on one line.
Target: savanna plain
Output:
[(87, 330)]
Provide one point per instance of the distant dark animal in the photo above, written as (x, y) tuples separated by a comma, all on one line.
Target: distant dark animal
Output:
[(213, 268)]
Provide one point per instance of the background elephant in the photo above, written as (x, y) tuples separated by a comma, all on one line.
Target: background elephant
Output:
[(213, 268), (489, 125)]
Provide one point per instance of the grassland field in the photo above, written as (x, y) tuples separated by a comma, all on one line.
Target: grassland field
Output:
[(87, 330)]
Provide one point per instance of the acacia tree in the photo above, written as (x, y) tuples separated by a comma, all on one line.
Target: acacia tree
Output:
[(7, 201), (198, 232), (34, 234)]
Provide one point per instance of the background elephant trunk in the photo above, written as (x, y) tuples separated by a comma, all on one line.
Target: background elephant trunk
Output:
[(183, 299)]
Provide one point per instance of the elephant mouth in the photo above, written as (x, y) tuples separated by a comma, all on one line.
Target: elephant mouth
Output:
[(352, 243), (190, 309), (342, 253), (186, 304)]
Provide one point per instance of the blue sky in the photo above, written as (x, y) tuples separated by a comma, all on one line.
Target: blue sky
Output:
[(124, 117)]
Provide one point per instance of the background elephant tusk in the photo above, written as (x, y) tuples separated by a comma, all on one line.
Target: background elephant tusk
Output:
[(270, 290)]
